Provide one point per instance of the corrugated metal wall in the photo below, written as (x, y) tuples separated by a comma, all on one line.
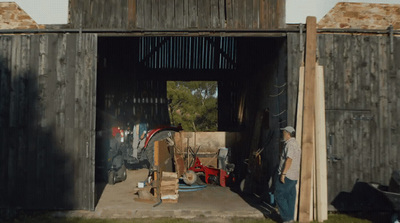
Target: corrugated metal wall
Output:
[(188, 52), (47, 121), (178, 14), (362, 84)]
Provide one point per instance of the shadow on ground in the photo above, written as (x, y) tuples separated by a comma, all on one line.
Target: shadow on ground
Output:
[(259, 203), (368, 201)]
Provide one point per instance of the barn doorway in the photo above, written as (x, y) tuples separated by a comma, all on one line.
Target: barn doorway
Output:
[(133, 73)]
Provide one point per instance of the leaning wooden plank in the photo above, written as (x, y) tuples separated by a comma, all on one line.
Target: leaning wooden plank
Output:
[(320, 144), (164, 157), (156, 173), (257, 131), (308, 120), (178, 149), (313, 191), (299, 127)]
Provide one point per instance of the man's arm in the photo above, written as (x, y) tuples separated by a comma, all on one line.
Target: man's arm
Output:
[(288, 163), (143, 134)]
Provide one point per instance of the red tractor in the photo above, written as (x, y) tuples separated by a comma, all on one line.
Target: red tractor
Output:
[(160, 133), (120, 154)]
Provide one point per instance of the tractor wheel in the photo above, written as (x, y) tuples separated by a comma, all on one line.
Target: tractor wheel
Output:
[(190, 177), (112, 177), (150, 147), (122, 173)]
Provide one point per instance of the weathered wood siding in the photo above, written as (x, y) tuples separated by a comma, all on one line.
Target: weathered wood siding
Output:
[(47, 121), (295, 60), (362, 88), (177, 14)]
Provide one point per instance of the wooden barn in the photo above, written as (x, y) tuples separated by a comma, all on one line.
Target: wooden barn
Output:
[(60, 85)]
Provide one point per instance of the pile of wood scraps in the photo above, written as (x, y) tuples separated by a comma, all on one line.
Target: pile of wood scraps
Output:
[(169, 187)]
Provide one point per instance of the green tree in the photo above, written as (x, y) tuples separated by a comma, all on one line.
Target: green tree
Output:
[(193, 104)]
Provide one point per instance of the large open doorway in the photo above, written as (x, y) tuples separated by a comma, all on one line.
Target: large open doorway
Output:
[(250, 72)]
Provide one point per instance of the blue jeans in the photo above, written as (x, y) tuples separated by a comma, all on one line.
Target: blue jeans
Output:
[(285, 197)]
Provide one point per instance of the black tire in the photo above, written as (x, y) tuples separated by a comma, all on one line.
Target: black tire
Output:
[(112, 177), (149, 150), (241, 186), (122, 173)]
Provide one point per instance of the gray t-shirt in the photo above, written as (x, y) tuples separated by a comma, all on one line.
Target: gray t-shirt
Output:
[(293, 151)]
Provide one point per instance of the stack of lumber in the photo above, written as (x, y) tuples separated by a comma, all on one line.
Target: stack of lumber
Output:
[(311, 134), (169, 187)]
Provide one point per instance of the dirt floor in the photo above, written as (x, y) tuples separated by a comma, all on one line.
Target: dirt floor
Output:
[(120, 201)]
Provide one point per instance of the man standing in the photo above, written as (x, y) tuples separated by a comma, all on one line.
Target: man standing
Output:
[(288, 174)]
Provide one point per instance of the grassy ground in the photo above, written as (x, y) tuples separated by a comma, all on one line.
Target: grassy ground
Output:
[(333, 218)]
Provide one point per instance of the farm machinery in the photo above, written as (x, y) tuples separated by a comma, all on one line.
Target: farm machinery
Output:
[(120, 156)]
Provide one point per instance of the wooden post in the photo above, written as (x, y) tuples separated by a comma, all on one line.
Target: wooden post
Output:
[(299, 128), (320, 148), (157, 178), (178, 154), (308, 144)]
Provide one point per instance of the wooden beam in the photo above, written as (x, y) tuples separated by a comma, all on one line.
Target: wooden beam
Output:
[(299, 128), (157, 177), (308, 120), (178, 153), (320, 148)]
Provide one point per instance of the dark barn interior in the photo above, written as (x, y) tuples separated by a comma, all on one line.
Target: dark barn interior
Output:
[(251, 75)]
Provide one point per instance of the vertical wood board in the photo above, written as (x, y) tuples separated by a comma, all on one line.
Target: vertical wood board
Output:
[(40, 158), (308, 120), (321, 186)]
